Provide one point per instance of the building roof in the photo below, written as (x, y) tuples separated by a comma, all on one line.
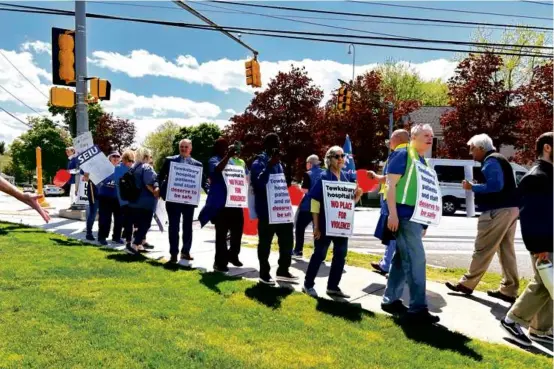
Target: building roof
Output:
[(431, 115)]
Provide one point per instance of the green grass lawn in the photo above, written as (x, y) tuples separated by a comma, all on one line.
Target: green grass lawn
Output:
[(67, 305), (490, 281)]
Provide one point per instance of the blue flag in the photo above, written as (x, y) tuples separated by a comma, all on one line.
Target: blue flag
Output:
[(350, 166)]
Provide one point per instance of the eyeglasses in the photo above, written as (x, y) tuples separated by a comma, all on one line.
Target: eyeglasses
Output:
[(341, 156)]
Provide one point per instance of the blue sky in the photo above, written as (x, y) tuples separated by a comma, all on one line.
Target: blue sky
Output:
[(160, 73)]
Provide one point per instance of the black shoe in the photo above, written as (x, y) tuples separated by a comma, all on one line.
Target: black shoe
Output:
[(119, 241), (395, 308), (378, 268), (286, 276), (499, 295), (459, 288), (421, 317), (129, 249), (173, 259), (266, 279), (545, 338), (297, 255), (90, 237), (103, 242), (186, 256), (515, 332), (337, 292), (148, 246), (221, 269), (236, 262)]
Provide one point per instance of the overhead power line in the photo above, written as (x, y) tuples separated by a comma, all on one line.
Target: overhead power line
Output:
[(449, 10), (270, 33), (31, 83), (319, 11), (18, 99), (14, 117), (537, 2)]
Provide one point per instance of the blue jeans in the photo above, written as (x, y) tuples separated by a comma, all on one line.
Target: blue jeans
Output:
[(408, 264), (174, 212), (340, 249), (92, 210), (386, 260), (303, 220)]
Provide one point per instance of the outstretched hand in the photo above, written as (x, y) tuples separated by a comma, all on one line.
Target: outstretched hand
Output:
[(32, 201)]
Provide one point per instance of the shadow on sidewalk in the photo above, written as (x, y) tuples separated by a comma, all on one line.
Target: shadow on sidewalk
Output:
[(268, 296), (212, 279), (497, 310), (343, 309), (435, 300), (438, 337)]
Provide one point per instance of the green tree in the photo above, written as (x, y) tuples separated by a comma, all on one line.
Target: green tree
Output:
[(203, 137), (53, 142), (157, 141), (2, 148), (95, 113), (434, 93)]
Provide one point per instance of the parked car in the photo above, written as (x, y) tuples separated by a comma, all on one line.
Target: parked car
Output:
[(451, 173), (28, 188), (51, 190)]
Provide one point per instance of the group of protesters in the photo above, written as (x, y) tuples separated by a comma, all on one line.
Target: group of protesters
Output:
[(499, 199)]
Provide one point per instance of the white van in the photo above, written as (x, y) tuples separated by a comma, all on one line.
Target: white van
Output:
[(450, 173)]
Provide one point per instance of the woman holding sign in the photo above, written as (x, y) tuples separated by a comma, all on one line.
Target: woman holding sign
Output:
[(333, 198), (227, 197)]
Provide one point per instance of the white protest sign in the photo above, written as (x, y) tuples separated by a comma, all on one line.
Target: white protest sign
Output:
[(96, 164), (82, 191), (184, 184), (237, 186), (428, 206), (83, 142), (339, 204), (160, 216), (278, 200)]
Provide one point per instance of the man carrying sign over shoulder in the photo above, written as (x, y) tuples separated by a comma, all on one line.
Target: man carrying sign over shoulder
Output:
[(333, 222), (274, 210), (176, 210), (408, 264), (227, 197)]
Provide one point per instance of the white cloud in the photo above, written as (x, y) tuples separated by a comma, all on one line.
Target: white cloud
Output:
[(230, 111), (38, 47), (225, 74)]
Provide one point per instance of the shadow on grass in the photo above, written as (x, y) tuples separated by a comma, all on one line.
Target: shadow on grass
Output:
[(531, 349), (213, 279), (268, 296), (68, 242), (11, 228), (438, 337), (342, 309), (127, 258)]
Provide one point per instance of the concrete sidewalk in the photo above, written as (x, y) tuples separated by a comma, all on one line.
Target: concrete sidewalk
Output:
[(475, 316)]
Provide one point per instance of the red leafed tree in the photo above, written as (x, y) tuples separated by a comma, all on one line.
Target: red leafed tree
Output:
[(535, 110), (367, 122), (289, 106), (483, 105), (114, 133)]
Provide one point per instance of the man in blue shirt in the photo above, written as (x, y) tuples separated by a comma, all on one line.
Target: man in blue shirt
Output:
[(303, 214), (108, 206), (269, 162), (174, 210), (497, 199)]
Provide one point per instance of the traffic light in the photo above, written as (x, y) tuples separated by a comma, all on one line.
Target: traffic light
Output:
[(253, 76), (63, 57), (100, 88), (344, 98), (62, 97)]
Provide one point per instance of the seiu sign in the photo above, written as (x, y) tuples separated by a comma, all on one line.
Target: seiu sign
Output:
[(86, 155)]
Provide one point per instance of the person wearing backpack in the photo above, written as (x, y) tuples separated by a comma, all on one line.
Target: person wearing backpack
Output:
[(175, 210), (142, 192)]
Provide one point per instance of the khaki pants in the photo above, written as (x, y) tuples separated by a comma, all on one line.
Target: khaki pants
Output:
[(533, 308), (495, 233)]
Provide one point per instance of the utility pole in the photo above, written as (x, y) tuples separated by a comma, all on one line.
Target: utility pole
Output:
[(81, 66), (391, 110), (352, 50)]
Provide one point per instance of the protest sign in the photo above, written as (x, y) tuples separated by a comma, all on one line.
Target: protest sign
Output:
[(96, 164), (237, 186), (160, 215), (82, 191), (184, 184), (83, 142), (278, 200), (428, 206), (338, 198)]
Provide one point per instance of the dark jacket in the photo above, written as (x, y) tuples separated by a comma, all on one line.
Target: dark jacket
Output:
[(163, 176), (259, 177), (500, 190), (536, 209), (310, 179)]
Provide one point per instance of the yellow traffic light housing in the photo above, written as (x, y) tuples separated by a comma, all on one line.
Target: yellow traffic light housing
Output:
[(63, 57), (100, 88), (253, 75), (62, 97), (344, 98)]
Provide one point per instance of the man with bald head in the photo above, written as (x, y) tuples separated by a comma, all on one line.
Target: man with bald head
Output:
[(399, 139)]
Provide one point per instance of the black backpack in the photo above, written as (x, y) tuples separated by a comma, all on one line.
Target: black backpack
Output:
[(128, 189)]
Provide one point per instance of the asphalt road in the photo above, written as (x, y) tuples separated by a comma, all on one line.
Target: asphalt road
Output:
[(449, 245)]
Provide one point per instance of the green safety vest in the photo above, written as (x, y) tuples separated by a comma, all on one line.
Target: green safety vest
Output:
[(239, 162), (382, 189), (406, 188)]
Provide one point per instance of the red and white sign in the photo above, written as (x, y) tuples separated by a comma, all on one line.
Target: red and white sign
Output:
[(338, 198), (237, 186), (278, 200), (428, 206), (184, 184)]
